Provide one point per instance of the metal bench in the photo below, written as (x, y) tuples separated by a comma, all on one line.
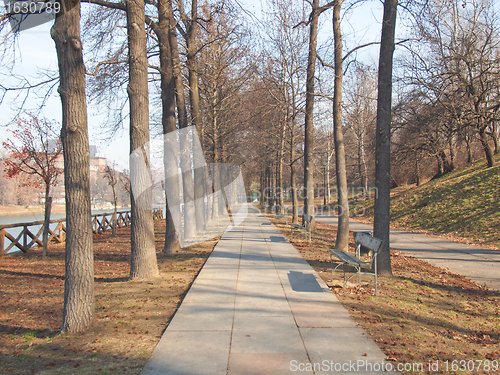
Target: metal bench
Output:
[(362, 268), (306, 227)]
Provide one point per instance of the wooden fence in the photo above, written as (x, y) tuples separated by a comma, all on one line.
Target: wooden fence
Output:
[(26, 239)]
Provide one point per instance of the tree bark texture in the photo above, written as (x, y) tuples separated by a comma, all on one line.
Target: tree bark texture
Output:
[(382, 210), (79, 305), (343, 222), (168, 118), (187, 178), (309, 207), (194, 99), (143, 263), (293, 177), (483, 137)]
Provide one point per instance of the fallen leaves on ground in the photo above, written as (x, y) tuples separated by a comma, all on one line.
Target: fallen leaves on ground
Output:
[(424, 313), (130, 315)]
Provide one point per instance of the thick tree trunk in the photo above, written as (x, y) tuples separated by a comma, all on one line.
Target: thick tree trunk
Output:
[(168, 122), (382, 210), (184, 143), (79, 304), (309, 207), (495, 134), (440, 166), (143, 263), (486, 147), (194, 99), (445, 162), (176, 68), (343, 202)]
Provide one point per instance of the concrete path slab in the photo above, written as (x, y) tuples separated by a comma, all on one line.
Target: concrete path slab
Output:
[(257, 307), (478, 264)]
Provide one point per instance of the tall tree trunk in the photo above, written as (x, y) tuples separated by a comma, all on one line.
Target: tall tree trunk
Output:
[(168, 123), (281, 160), (328, 190), (446, 163), (293, 185), (382, 209), (217, 207), (143, 263), (417, 168), (363, 169), (309, 207), (293, 170), (194, 98), (79, 303), (46, 222), (262, 188), (184, 142), (343, 202), (451, 148)]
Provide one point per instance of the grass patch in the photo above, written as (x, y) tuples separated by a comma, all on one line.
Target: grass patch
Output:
[(463, 204)]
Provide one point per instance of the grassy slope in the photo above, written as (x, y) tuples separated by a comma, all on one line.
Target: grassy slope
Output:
[(464, 203)]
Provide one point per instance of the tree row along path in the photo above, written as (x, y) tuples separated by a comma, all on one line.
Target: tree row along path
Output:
[(478, 264), (257, 307)]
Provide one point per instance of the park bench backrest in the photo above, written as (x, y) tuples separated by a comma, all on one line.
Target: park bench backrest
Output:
[(368, 241)]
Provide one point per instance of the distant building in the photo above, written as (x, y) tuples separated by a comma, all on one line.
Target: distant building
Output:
[(97, 160)]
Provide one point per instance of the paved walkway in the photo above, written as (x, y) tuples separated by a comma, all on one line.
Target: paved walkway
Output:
[(480, 265), (257, 307)]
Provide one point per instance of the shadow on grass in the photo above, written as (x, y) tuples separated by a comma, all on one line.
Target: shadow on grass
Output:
[(30, 274)]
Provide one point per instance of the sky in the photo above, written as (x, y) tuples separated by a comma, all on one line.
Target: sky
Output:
[(35, 52)]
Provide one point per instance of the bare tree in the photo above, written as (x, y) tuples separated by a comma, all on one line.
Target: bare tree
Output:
[(143, 259), (38, 156), (162, 30), (456, 66), (79, 303), (190, 34), (342, 242), (360, 109), (284, 76), (111, 175), (309, 124), (381, 222)]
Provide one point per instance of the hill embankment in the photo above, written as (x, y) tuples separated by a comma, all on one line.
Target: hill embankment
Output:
[(464, 204)]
